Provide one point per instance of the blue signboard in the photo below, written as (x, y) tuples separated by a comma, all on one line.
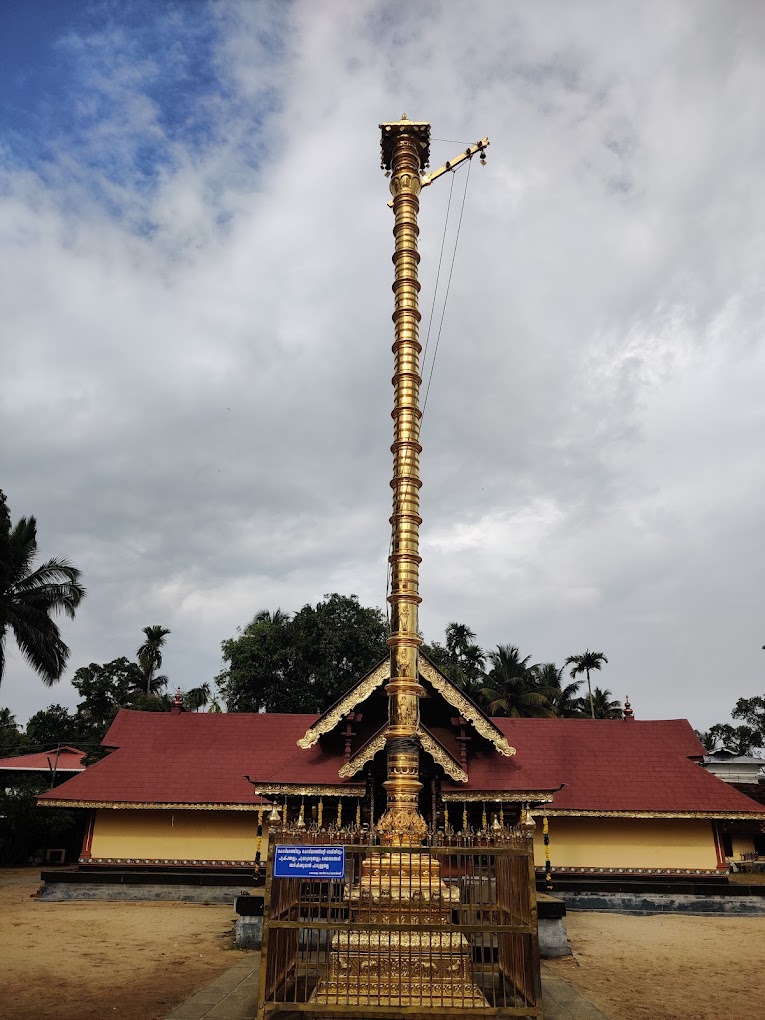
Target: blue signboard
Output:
[(309, 862)]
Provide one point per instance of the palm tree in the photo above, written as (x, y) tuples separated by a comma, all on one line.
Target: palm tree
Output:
[(473, 662), (197, 697), (278, 618), (563, 699), (150, 658), (513, 689), (603, 707), (30, 597), (583, 663), (459, 637)]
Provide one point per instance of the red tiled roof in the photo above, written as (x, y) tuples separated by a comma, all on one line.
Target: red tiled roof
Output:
[(65, 759), (601, 765), (189, 758), (610, 765)]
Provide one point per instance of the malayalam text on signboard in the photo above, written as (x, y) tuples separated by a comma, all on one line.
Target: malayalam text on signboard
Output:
[(309, 862)]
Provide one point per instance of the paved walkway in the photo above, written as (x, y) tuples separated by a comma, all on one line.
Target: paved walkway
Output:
[(234, 996)]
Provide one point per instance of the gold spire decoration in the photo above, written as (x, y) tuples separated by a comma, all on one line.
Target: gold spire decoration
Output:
[(399, 886), (405, 149)]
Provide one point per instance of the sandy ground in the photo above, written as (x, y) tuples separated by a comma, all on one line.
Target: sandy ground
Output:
[(136, 961), (668, 967), (91, 961)]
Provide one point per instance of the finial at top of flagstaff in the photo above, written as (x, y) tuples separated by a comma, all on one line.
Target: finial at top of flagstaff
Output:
[(391, 131)]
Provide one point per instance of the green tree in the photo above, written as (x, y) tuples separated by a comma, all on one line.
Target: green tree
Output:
[(602, 707), (586, 663), (150, 658), (255, 678), (31, 596), (197, 697), (460, 659), (25, 827), (11, 735), (51, 726), (105, 688), (738, 739), (302, 663), (563, 698), (459, 637), (512, 687), (751, 711)]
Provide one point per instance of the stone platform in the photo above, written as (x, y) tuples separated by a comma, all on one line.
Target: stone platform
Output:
[(234, 996)]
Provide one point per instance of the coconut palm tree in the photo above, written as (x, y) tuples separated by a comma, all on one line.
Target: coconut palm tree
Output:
[(150, 658), (584, 663), (459, 637), (513, 689), (30, 597), (278, 617), (197, 697), (603, 707), (563, 698)]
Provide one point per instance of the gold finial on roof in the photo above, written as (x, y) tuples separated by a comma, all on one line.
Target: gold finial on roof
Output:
[(628, 713)]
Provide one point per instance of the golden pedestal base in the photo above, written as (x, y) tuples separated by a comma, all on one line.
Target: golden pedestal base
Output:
[(396, 966), (399, 969)]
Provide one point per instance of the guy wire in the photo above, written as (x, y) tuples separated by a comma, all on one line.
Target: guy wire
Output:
[(448, 285), (425, 349), (438, 277)]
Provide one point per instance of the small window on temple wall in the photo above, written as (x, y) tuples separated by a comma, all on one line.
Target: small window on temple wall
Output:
[(727, 844)]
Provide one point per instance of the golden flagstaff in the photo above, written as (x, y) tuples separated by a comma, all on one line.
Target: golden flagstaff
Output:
[(405, 150)]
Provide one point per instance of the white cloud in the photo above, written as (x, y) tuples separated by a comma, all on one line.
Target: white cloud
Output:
[(198, 391)]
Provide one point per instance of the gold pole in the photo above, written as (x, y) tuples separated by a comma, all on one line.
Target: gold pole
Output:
[(405, 148)]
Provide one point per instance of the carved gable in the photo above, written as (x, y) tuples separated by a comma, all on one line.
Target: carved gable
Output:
[(451, 723)]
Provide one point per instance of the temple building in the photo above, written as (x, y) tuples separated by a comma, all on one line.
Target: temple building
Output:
[(620, 797)]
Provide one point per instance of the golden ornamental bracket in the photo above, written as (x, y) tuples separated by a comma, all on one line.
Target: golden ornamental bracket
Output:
[(465, 707), (366, 686), (433, 747)]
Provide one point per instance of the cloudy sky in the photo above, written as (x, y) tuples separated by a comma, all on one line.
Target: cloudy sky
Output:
[(196, 314)]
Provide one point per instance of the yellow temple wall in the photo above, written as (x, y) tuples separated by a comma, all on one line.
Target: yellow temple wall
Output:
[(741, 843), (627, 843), (174, 835)]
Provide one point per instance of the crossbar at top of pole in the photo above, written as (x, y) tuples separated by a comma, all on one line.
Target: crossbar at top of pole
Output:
[(405, 147)]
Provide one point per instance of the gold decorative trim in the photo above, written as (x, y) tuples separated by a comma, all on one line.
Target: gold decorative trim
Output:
[(433, 747), (435, 678), (573, 813), (441, 756), (290, 790), (164, 860), (465, 707), (364, 754), (634, 871), (500, 797), (126, 805), (341, 708)]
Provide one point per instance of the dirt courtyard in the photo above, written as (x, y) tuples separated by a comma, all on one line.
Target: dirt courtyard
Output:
[(667, 967), (136, 961), (94, 960)]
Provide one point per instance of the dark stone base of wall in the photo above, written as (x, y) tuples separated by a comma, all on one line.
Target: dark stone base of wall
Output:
[(183, 893), (185, 885), (625, 902)]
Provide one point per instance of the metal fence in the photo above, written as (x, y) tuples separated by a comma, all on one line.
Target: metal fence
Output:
[(406, 930)]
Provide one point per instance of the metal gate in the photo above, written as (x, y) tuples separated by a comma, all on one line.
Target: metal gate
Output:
[(406, 930)]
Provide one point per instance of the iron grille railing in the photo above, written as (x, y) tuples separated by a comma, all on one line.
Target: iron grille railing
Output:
[(405, 931)]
